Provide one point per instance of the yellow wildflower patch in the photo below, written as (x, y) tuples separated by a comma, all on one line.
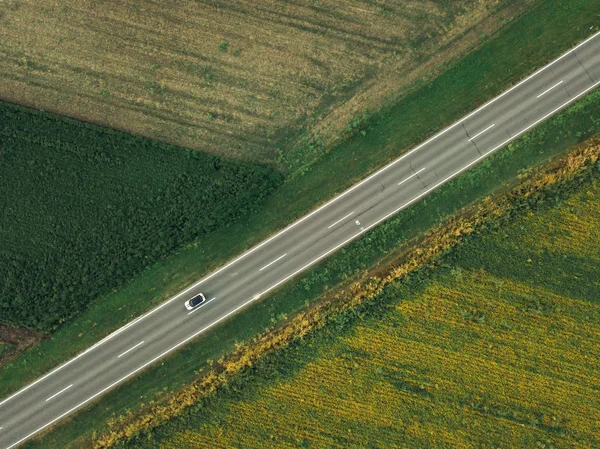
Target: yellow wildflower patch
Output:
[(470, 360)]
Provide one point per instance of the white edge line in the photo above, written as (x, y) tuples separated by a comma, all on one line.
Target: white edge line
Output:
[(432, 188), (254, 298), (481, 132), (202, 305), (340, 220), (116, 332), (130, 349), (271, 263), (61, 391), (411, 176), (548, 90)]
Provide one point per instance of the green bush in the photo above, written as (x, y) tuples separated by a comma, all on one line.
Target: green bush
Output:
[(223, 45)]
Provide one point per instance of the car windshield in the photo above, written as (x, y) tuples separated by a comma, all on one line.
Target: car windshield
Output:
[(196, 300)]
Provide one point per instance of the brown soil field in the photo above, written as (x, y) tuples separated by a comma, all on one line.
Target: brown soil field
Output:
[(14, 340), (240, 79)]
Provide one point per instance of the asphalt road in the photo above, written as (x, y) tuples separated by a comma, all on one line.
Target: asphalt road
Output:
[(310, 239)]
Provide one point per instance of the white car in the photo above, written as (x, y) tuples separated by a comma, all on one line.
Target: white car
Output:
[(195, 301)]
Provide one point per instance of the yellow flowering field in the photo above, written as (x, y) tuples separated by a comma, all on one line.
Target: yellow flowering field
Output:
[(499, 349)]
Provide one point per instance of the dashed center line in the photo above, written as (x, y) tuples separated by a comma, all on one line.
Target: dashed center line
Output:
[(202, 305), (61, 391), (481, 132), (271, 263), (548, 90), (340, 220), (130, 349), (411, 176)]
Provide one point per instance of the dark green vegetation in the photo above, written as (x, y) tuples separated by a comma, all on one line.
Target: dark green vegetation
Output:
[(86, 209)]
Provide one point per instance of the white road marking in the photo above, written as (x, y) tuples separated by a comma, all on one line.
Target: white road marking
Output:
[(430, 189), (202, 305), (314, 261), (548, 90), (271, 263), (340, 220), (481, 132), (293, 224), (61, 391), (411, 176), (130, 349), (341, 195)]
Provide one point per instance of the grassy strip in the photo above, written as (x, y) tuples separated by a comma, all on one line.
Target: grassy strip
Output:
[(553, 137), (564, 24)]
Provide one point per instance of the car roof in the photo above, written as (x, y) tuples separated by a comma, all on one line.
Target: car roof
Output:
[(198, 298)]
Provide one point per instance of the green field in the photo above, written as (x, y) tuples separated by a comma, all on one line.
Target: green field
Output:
[(86, 209), (497, 348), (4, 348)]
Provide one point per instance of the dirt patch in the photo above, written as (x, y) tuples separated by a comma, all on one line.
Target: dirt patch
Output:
[(20, 339), (238, 79)]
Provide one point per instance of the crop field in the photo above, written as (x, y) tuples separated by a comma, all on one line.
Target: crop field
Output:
[(499, 348), (242, 79), (86, 209)]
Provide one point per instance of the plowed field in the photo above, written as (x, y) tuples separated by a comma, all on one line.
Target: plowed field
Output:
[(241, 79)]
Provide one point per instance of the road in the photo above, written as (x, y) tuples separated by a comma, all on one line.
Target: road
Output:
[(303, 243)]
